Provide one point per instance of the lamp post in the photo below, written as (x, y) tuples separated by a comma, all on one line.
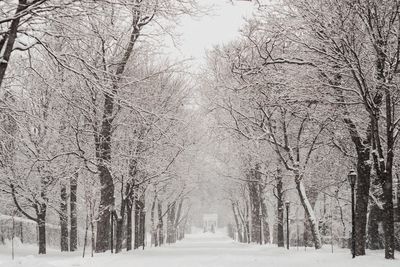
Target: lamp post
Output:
[(287, 204), (352, 177), (112, 226)]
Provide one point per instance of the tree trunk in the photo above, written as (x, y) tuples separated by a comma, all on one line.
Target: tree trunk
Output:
[(138, 217), (106, 200), (10, 40), (254, 212), (73, 216), (64, 218), (362, 197), (103, 147), (41, 222), (312, 194), (279, 195), (388, 216), (119, 232), (142, 228), (152, 222), (160, 226), (375, 217), (177, 221), (309, 212), (238, 227), (265, 225), (86, 235), (129, 225), (170, 223)]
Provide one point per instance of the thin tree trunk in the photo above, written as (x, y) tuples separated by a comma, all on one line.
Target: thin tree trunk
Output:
[(160, 225), (170, 222), (152, 222), (64, 218), (86, 235), (73, 216), (238, 227), (279, 196), (129, 225)]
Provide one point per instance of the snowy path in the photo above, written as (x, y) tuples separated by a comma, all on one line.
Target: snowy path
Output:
[(205, 250)]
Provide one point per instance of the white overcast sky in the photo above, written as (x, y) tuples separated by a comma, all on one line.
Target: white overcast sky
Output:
[(219, 27)]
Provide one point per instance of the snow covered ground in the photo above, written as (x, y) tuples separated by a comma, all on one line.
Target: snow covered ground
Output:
[(197, 250)]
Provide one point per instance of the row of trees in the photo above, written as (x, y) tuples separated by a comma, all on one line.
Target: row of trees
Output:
[(311, 88), (93, 120)]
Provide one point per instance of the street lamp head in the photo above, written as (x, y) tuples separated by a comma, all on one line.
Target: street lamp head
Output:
[(352, 177), (287, 204)]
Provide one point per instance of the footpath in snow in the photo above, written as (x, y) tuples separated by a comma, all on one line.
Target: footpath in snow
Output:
[(197, 250)]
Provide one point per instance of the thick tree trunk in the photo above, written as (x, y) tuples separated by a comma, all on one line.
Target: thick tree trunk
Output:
[(41, 222), (312, 194), (309, 212), (255, 211), (265, 225), (64, 218), (120, 223), (103, 147), (362, 197), (375, 217), (106, 200), (73, 216), (119, 234)]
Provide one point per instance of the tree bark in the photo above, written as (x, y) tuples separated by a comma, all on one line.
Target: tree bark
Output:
[(129, 225), (264, 218), (154, 240), (362, 197), (73, 213), (41, 222), (64, 218), (238, 227), (279, 196), (11, 37), (312, 194), (119, 234), (309, 212), (255, 207), (375, 217), (170, 223), (160, 226)]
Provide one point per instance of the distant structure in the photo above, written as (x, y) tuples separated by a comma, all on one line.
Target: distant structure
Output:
[(210, 222)]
